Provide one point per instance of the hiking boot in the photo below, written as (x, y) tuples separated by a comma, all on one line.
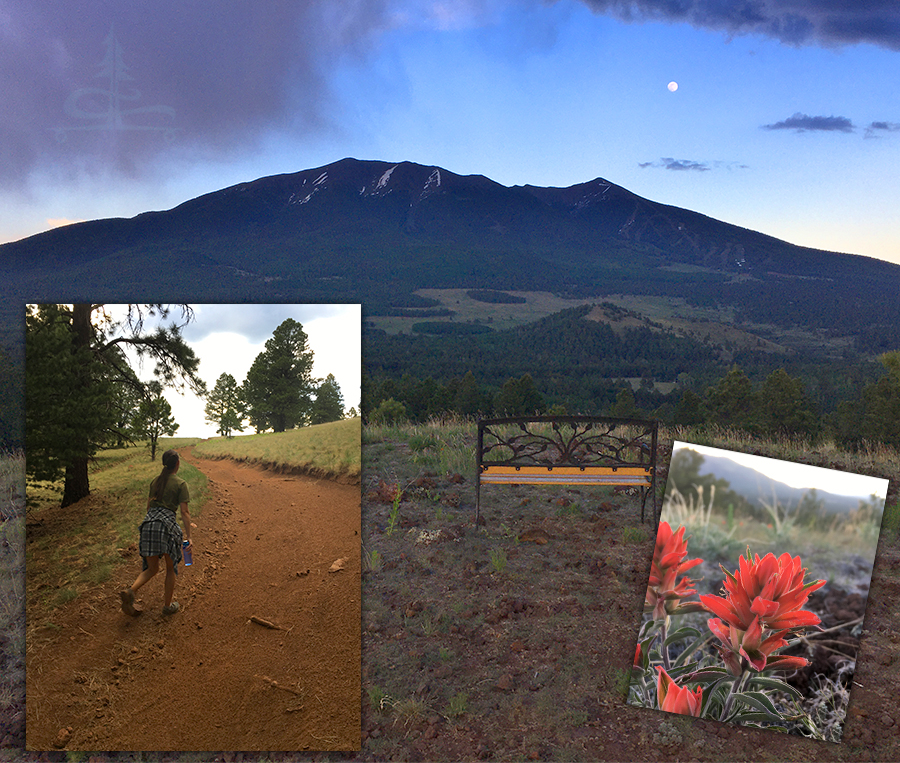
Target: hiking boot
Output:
[(172, 608), (127, 597)]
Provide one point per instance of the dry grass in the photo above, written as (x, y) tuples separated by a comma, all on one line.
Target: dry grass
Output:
[(332, 449)]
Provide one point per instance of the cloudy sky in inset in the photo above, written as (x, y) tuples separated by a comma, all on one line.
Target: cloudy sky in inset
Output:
[(227, 339), (784, 119)]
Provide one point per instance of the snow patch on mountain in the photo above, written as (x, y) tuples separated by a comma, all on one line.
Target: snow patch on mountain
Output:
[(595, 195), (384, 179), (432, 184)]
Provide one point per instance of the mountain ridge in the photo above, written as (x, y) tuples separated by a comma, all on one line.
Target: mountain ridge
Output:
[(601, 205), (376, 232)]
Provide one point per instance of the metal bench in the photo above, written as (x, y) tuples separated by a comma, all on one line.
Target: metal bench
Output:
[(567, 450)]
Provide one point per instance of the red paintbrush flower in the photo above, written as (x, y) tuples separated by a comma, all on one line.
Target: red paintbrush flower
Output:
[(677, 699), (664, 589), (763, 602)]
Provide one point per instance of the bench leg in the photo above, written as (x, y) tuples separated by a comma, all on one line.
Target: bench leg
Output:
[(477, 499)]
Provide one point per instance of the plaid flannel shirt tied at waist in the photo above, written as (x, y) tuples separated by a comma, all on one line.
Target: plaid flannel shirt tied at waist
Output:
[(160, 534)]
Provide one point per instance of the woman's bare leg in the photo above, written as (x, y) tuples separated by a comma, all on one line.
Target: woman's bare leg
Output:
[(127, 595), (152, 569), (170, 580)]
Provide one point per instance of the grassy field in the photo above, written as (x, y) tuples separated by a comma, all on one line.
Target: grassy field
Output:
[(331, 450), (669, 313)]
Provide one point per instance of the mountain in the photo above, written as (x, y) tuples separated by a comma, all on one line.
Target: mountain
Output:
[(759, 489), (376, 232)]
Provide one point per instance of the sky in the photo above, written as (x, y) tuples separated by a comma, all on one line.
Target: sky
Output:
[(785, 118), (227, 339), (801, 475)]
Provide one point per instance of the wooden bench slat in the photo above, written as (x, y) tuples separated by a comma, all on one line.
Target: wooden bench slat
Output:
[(569, 471), (549, 479)]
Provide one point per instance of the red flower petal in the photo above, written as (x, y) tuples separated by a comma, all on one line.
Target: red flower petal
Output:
[(763, 607), (785, 662), (799, 619), (721, 607)]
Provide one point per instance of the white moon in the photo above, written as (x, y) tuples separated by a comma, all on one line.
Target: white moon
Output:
[(673, 86)]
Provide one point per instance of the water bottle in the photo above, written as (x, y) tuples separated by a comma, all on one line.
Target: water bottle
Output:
[(186, 554)]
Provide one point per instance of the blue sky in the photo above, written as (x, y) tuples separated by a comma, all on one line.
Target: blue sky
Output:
[(786, 118)]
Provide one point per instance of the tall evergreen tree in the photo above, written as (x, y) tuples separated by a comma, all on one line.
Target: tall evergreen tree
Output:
[(784, 406), (73, 361), (468, 399), (225, 407), (876, 416), (625, 406), (732, 401), (519, 397), (154, 418), (689, 411), (329, 402), (279, 385)]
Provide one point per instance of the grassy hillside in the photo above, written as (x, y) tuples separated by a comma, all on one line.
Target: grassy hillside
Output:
[(331, 450)]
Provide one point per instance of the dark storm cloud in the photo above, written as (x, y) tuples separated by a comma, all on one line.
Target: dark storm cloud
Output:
[(796, 22), (877, 129), (805, 123), (668, 163), (206, 76)]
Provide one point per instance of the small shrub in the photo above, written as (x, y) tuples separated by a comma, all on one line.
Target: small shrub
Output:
[(458, 705), (634, 535), (498, 559), (372, 560)]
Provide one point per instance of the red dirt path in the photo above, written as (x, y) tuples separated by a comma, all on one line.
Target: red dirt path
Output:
[(208, 678)]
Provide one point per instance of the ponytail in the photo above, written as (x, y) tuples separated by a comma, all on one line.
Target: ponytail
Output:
[(170, 464)]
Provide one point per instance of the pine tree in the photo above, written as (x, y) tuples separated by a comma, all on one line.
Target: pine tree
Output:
[(732, 402), (225, 407), (519, 397), (279, 385), (689, 411), (625, 406), (73, 364), (329, 402), (154, 418), (785, 407)]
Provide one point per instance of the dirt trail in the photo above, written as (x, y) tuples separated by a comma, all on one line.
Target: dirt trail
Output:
[(209, 678)]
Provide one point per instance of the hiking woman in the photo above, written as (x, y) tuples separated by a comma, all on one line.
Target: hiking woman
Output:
[(161, 537)]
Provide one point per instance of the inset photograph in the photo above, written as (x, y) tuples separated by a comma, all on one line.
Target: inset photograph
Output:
[(192, 532), (757, 591)]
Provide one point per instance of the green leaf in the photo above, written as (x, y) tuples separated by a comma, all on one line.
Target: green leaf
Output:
[(710, 695), (708, 673), (753, 700), (745, 716), (776, 683), (698, 643), (764, 699), (680, 634)]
